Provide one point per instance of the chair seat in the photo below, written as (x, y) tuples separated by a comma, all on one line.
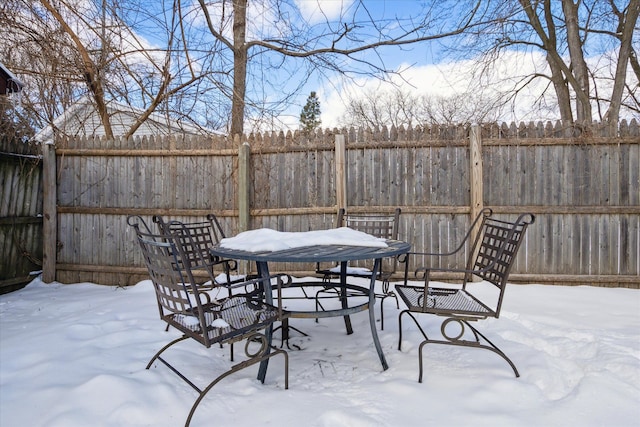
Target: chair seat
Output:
[(443, 301), (235, 318)]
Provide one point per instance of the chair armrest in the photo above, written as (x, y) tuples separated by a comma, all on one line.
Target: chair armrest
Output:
[(423, 273), (404, 259), (484, 213)]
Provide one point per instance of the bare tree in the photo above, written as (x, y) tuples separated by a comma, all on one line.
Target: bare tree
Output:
[(627, 19), (89, 67), (337, 45), (215, 60), (567, 31), (381, 107), (65, 49), (398, 107), (33, 47), (460, 108)]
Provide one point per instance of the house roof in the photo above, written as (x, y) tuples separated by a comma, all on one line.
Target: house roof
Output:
[(9, 83), (82, 119)]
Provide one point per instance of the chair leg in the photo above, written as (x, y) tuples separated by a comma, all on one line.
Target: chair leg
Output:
[(386, 293), (285, 327), (382, 298), (329, 287), (464, 343), (265, 352), (495, 349), (157, 355), (319, 305), (400, 327)]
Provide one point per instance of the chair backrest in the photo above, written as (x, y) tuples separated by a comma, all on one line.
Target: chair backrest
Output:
[(174, 285), (495, 248), (376, 224), (383, 225), (195, 239)]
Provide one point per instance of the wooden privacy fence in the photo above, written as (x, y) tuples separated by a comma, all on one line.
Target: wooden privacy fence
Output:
[(20, 213), (585, 192)]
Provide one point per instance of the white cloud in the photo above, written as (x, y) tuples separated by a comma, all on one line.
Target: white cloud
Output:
[(454, 78), (314, 11), (449, 79)]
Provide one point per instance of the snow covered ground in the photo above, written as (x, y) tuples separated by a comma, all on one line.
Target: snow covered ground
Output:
[(74, 355)]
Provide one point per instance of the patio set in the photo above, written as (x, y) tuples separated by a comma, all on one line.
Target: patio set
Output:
[(194, 270)]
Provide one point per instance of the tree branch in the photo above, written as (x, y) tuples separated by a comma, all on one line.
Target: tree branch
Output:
[(93, 80)]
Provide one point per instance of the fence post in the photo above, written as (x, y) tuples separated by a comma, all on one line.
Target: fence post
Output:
[(244, 157), (475, 157), (49, 213), (341, 176)]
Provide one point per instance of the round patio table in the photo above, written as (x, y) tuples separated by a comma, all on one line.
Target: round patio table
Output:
[(322, 253)]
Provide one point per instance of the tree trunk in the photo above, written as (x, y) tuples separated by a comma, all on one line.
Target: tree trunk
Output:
[(578, 64), (549, 42), (239, 66), (624, 56), (562, 91)]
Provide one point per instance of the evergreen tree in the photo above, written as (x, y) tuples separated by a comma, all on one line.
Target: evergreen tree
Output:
[(310, 115)]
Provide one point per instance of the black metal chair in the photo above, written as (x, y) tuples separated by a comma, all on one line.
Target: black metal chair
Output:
[(196, 238), (379, 225), (493, 245), (182, 305)]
